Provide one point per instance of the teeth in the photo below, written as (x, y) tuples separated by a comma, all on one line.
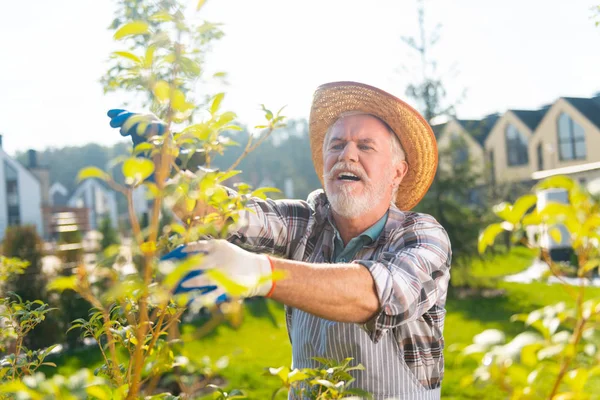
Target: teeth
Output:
[(348, 176)]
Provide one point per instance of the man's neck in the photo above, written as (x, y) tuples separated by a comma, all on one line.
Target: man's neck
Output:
[(350, 228)]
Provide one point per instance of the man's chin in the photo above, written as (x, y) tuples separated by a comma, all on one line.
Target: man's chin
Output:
[(348, 205)]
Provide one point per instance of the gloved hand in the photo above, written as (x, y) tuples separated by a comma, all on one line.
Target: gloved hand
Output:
[(253, 272), (139, 126), (142, 126), (194, 282)]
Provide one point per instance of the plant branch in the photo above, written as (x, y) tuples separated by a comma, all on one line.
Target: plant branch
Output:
[(249, 148)]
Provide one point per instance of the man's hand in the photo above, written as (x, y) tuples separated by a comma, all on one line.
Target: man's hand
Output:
[(252, 272), (139, 126), (195, 282)]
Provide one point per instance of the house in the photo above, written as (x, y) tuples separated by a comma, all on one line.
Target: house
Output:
[(523, 146), (507, 146), (567, 137), (467, 138), (99, 199), (20, 195)]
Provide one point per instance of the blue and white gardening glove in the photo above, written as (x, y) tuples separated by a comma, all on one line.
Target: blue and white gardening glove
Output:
[(195, 282), (247, 274), (139, 126)]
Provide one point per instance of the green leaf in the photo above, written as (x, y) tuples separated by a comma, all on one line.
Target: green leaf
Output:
[(503, 210), (590, 265), (63, 283), (120, 392), (363, 394), (577, 379), (297, 375), (50, 364), (92, 172), (161, 16), (143, 147), (132, 28), (529, 354), (231, 287), (162, 91), (533, 218), (226, 175), (226, 118), (136, 170), (128, 55), (174, 273), (268, 113), (521, 206), (281, 372), (488, 236), (261, 192), (216, 103), (325, 383), (149, 57), (555, 234), (559, 181)]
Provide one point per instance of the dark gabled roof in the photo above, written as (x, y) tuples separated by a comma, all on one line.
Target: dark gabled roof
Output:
[(437, 129), (590, 108), (531, 118), (479, 129)]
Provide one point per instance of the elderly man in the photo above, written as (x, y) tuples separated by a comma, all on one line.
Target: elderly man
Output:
[(364, 277)]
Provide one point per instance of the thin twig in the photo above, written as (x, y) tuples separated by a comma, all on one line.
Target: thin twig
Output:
[(249, 148)]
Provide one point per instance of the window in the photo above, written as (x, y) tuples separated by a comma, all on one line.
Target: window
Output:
[(492, 167), (571, 139), (516, 146), (12, 194), (459, 148), (540, 157)]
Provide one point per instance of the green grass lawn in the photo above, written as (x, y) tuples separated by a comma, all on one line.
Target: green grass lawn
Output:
[(262, 341)]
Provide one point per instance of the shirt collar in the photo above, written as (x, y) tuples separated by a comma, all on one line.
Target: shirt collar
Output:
[(369, 236)]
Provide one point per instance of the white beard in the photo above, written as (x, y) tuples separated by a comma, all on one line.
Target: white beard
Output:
[(348, 205)]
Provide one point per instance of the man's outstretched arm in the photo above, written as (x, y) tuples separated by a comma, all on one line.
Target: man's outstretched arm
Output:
[(337, 292)]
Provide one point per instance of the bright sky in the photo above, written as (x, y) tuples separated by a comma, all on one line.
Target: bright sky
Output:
[(509, 54)]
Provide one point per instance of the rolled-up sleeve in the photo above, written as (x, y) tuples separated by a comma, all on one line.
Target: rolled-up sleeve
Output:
[(411, 276)]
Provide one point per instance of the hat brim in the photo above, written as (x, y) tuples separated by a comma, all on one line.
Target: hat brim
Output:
[(416, 136)]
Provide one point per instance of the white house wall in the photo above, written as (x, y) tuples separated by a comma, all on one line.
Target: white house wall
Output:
[(496, 142), (547, 134), (30, 196), (98, 199), (476, 152)]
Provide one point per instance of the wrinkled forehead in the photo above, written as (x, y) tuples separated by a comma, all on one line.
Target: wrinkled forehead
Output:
[(337, 126)]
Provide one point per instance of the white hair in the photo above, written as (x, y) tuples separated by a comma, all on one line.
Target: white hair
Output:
[(398, 154)]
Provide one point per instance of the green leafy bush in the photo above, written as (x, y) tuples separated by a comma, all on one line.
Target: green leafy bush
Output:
[(556, 356)]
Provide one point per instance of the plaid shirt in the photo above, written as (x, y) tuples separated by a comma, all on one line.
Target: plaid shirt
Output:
[(402, 346)]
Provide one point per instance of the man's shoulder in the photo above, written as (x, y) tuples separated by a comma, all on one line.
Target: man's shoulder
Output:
[(411, 219), (317, 201)]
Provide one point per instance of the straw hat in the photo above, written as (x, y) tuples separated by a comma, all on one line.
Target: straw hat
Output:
[(416, 136)]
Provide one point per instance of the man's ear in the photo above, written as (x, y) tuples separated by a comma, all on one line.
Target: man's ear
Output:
[(400, 172)]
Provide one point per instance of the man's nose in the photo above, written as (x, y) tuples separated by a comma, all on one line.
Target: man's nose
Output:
[(350, 153)]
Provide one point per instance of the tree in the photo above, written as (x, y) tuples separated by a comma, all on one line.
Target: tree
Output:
[(110, 235), (24, 243), (448, 198)]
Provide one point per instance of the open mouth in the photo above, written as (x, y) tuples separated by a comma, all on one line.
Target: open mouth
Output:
[(348, 177)]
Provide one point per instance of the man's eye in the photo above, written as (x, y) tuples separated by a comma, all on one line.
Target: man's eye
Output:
[(364, 147), (337, 146)]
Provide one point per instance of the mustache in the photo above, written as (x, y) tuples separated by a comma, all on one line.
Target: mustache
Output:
[(346, 167)]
